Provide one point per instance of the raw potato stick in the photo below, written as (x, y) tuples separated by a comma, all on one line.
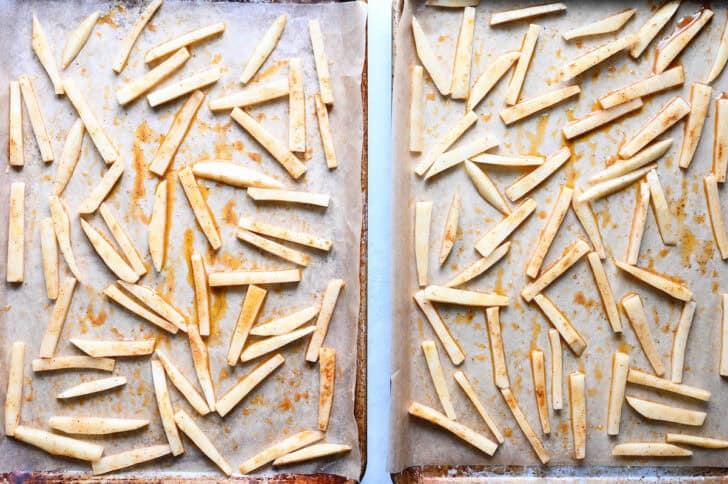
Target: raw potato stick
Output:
[(267, 245), (486, 188), (91, 387), (103, 143), (95, 425), (438, 377), (644, 87), (257, 93), (202, 293), (192, 37), (152, 78), (244, 278), (526, 428), (451, 228), (723, 368), (480, 266), (497, 351), (300, 238), (467, 434), (465, 298), (538, 372), (503, 229), (131, 37), (600, 27), (665, 413), (58, 444), (201, 362), (668, 285), (108, 254), (195, 434), (185, 387), (327, 378), (111, 348), (635, 311), (669, 114), (62, 228), (452, 3), (533, 105), (625, 167), (558, 319), (333, 289), (43, 51), (608, 187), (649, 449), (97, 196), (277, 149), (595, 57), (176, 134), (696, 440), (423, 220), (460, 83), (577, 408), (462, 379), (129, 458), (571, 255), (253, 302), (156, 303), (315, 451), (455, 156), (116, 295), (663, 215), (78, 38), (296, 106), (428, 58), (444, 142), (268, 345), (16, 156), (123, 241), (526, 183), (557, 370), (451, 345), (289, 196), (599, 118), (490, 77), (279, 449), (524, 13), (263, 49), (58, 318), (721, 57), (36, 118), (645, 379), (234, 175), (164, 405), (73, 363), (588, 220), (720, 139), (715, 212), (327, 139), (416, 100), (639, 221), (286, 324), (189, 84), (680, 341), (668, 51), (549, 231), (322, 62), (247, 384), (605, 291), (617, 385), (528, 46), (14, 392), (157, 228), (199, 207), (699, 104), (15, 266), (69, 157), (652, 27)]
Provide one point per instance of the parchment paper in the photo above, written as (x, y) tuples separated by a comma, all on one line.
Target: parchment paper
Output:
[(695, 258), (287, 402)]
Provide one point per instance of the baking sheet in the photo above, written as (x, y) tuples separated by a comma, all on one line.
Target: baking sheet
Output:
[(287, 402), (694, 259)]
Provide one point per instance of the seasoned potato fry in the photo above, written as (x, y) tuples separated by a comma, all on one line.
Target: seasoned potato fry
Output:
[(528, 47), (723, 367), (416, 102), (605, 188), (533, 105), (486, 188), (279, 250), (78, 38), (720, 139), (649, 449), (15, 262), (199, 206), (699, 104), (116, 295), (44, 52), (247, 384), (129, 458), (113, 348), (451, 345), (462, 297), (279, 449), (253, 302), (538, 373), (451, 227), (296, 107), (92, 201), (625, 167), (460, 82), (549, 231), (577, 408), (95, 425), (327, 378), (108, 254), (670, 113), (696, 441), (185, 387), (263, 49), (645, 379), (315, 451), (599, 118), (423, 220), (286, 324), (588, 221), (333, 289), (663, 215), (497, 351), (272, 343), (490, 77), (526, 428), (715, 213), (195, 434), (666, 413), (62, 228), (255, 94), (668, 285), (234, 175), (201, 362), (327, 139), (300, 238), (58, 444), (289, 196), (571, 255), (595, 57), (600, 27), (69, 157), (680, 341), (526, 183), (322, 62), (16, 155), (429, 60), (668, 51), (633, 308), (176, 134), (652, 27), (157, 228), (617, 385), (58, 318), (91, 387), (639, 220), (444, 142), (202, 293), (605, 292), (524, 13), (644, 87), (480, 442), (122, 239), (36, 118), (152, 78), (103, 143), (192, 37), (438, 377), (73, 363), (190, 84), (503, 229), (557, 370), (462, 379), (721, 57), (14, 392), (480, 266), (244, 278), (456, 156), (131, 37), (561, 323), (164, 405)]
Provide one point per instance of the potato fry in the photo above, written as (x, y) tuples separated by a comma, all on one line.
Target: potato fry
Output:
[(91, 387), (536, 104), (122, 239), (201, 362), (234, 175), (429, 60), (644, 87), (190, 84), (272, 343), (289, 196), (680, 341), (120, 298), (15, 267), (108, 254), (600, 27), (202, 294), (599, 118), (254, 94), (605, 291), (649, 449), (247, 384), (633, 308), (327, 378), (36, 118), (327, 139), (183, 118), (315, 451), (486, 188), (152, 78), (416, 102), (645, 379), (696, 440), (462, 297), (577, 406), (62, 228), (538, 372), (157, 228), (253, 302), (129, 458), (452, 3), (300, 238), (43, 51), (287, 323), (58, 444), (181, 383), (715, 212), (571, 255), (438, 377), (526, 428), (588, 221), (451, 227), (199, 206), (595, 57), (73, 363), (462, 379), (195, 434), (113, 348), (244, 278), (524, 13), (617, 385), (460, 81), (549, 231), (279, 449), (451, 345), (108, 151), (526, 183), (58, 318), (490, 77), (156, 303), (263, 49), (663, 215), (164, 405), (97, 196), (720, 139), (652, 27), (608, 187), (444, 142), (333, 289), (423, 221), (16, 155), (278, 150), (721, 57), (78, 38), (131, 37), (480, 266), (192, 37), (667, 284), (665, 413), (561, 323), (625, 167), (14, 393), (322, 62), (639, 220), (296, 106), (267, 245), (557, 370), (69, 157), (503, 229), (670, 113), (497, 351), (668, 50), (95, 425), (528, 47), (455, 156), (480, 442), (699, 104)]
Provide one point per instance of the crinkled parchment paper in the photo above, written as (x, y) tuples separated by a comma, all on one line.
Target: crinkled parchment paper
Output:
[(695, 258), (287, 402)]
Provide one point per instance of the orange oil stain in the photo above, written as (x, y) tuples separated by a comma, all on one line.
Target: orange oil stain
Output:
[(228, 212)]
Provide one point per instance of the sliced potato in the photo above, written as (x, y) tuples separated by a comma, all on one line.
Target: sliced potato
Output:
[(176, 134), (699, 104), (670, 113), (116, 295), (526, 183), (423, 221), (164, 405), (140, 86), (721, 57), (270, 344), (333, 289), (129, 458), (668, 50), (199, 206), (234, 175), (460, 82), (680, 341), (58, 318), (649, 449), (416, 101), (462, 379), (296, 106), (58, 444), (557, 370), (73, 363), (131, 37), (289, 196), (253, 302), (715, 213), (625, 167), (538, 373), (665, 220), (44, 52), (644, 87), (528, 47), (201, 362), (14, 391), (36, 118), (588, 221), (202, 293), (438, 377), (577, 408), (62, 227), (122, 239), (157, 228), (480, 266), (561, 323), (444, 142), (327, 378), (108, 151), (457, 155), (78, 38), (452, 3), (315, 451), (596, 56), (667, 284), (451, 345), (497, 350), (15, 267), (263, 48), (181, 383), (645, 379), (257, 93), (429, 60), (599, 118), (536, 104), (92, 201), (267, 245), (300, 238), (490, 77), (113, 348), (518, 161), (244, 278), (462, 297), (327, 139), (600, 27), (617, 385), (69, 157), (16, 155), (279, 449), (524, 13), (322, 62), (665, 413), (652, 27), (91, 387), (287, 323), (608, 187), (571, 255), (170, 46), (196, 435), (605, 291), (108, 254), (246, 384), (486, 188), (696, 441), (549, 231), (503, 229), (451, 228), (95, 425), (526, 428), (190, 84), (639, 220), (635, 311), (720, 139)]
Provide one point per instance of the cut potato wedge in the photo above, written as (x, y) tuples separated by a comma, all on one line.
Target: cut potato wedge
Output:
[(268, 345), (199, 206), (561, 323), (526, 183), (58, 318), (451, 345), (528, 47), (16, 156), (131, 37), (279, 449), (503, 229), (187, 85), (263, 48), (234, 175), (112, 348), (327, 139), (14, 391), (129, 458), (59, 363), (279, 250), (257, 93), (595, 57), (15, 262), (245, 278), (638, 377), (480, 266), (490, 77), (119, 297), (635, 311), (588, 221), (58, 444), (460, 82), (666, 413), (311, 452), (451, 228), (519, 161), (95, 425), (180, 381), (549, 231), (715, 212), (97, 196), (152, 78), (599, 118), (699, 104), (202, 293), (536, 104), (444, 142), (438, 377), (164, 405), (680, 341), (201, 362), (600, 27), (322, 62), (497, 350), (296, 106), (423, 220), (416, 102), (653, 26), (327, 379), (617, 385), (605, 291), (121, 236), (462, 297), (196, 435), (665, 220), (78, 38), (157, 228), (333, 289), (69, 157), (721, 57), (526, 428), (429, 60), (524, 13), (44, 52), (282, 233), (462, 379), (245, 385), (625, 167), (486, 188), (571, 255), (696, 441), (668, 50), (577, 408), (667, 284), (639, 220), (289, 196), (91, 387), (557, 370), (103, 143), (649, 449), (286, 324), (108, 254), (176, 134), (670, 113), (168, 47), (720, 139), (456, 156), (36, 118), (538, 373), (253, 302), (644, 87), (613, 185), (62, 227)]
